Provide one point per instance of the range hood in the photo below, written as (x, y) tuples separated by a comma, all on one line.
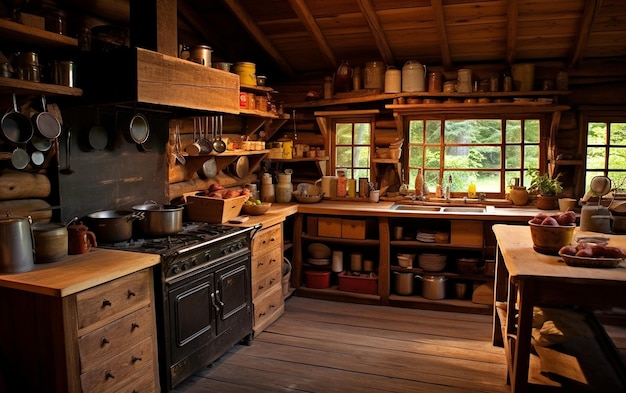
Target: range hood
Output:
[(146, 79)]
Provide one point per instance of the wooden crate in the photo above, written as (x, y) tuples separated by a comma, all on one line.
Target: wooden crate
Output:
[(214, 210), (329, 227), (466, 233), (353, 229)]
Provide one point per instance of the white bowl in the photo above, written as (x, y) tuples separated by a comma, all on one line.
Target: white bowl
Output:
[(406, 260)]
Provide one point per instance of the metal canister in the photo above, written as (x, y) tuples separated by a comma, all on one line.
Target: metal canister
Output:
[(246, 72), (374, 75), (201, 54), (435, 82)]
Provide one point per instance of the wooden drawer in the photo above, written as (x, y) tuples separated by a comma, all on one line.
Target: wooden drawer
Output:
[(115, 337), (262, 264), (146, 383), (270, 237), (120, 370), (268, 308), (114, 297), (266, 282)]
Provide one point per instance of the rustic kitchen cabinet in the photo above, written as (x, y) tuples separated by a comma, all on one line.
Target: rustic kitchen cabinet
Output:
[(468, 238), (267, 261), (78, 326)]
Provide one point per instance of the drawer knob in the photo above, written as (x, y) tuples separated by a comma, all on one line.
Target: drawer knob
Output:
[(109, 375), (134, 326), (105, 303), (260, 264), (135, 359), (261, 286), (131, 293), (104, 341)]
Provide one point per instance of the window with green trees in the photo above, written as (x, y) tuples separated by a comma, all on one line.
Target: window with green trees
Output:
[(606, 149), (352, 147), (490, 152)]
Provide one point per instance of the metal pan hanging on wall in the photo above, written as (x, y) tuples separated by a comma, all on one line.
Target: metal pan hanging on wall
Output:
[(139, 130)]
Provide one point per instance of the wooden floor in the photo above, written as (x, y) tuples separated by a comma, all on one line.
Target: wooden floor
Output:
[(324, 346)]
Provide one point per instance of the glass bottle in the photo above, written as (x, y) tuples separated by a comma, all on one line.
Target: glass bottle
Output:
[(419, 183), (471, 188)]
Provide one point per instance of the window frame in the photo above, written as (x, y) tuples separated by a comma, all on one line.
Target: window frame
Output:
[(544, 128), (332, 138), (599, 117)]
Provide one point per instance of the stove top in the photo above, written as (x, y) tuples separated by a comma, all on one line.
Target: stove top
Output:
[(192, 234)]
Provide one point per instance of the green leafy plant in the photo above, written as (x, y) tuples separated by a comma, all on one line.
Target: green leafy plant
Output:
[(542, 184)]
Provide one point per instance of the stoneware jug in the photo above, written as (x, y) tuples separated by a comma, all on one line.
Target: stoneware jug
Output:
[(80, 239)]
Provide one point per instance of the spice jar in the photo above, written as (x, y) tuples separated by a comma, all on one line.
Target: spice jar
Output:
[(435, 82)]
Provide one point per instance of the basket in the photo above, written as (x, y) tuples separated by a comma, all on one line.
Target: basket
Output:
[(548, 239), (286, 276), (256, 210)]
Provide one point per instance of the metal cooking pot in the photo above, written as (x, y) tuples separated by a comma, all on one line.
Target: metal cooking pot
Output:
[(159, 220), (433, 287), (404, 283), (16, 127), (111, 226), (17, 253)]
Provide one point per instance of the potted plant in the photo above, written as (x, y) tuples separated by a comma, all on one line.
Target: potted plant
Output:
[(545, 187)]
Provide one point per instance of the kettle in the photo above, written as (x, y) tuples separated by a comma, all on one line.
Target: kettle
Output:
[(80, 239), (595, 218), (17, 239)]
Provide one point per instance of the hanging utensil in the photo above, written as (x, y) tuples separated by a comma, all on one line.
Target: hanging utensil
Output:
[(179, 157), (194, 148), (19, 158), (208, 169), (98, 137), (218, 144), (68, 169), (45, 123), (205, 144), (16, 127)]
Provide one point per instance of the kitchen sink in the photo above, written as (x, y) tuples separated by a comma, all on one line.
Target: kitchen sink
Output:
[(446, 209), (463, 209), (419, 208)]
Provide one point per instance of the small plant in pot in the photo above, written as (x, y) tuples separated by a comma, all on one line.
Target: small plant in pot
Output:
[(546, 188)]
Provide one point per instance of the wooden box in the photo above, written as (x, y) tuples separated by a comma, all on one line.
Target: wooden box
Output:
[(214, 210), (353, 229), (466, 233), (359, 284), (329, 226), (143, 76)]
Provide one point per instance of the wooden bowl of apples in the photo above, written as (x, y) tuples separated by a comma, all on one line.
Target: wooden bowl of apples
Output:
[(550, 233)]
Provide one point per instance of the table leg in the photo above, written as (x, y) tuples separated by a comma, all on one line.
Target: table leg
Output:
[(522, 345)]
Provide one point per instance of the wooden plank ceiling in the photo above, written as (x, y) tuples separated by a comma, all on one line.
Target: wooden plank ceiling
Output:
[(311, 37)]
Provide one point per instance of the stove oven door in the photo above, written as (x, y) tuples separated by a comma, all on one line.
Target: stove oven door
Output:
[(233, 299), (191, 317)]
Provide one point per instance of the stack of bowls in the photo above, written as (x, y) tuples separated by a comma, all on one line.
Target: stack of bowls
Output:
[(432, 262), (406, 260)]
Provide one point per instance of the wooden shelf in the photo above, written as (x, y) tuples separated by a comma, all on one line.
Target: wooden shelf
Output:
[(17, 32), (255, 88), (418, 244), (424, 94), (303, 159), (505, 107), (338, 240), (20, 87)]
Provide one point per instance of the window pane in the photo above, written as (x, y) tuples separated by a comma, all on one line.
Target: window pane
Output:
[(595, 158), (344, 157), (359, 173), (415, 156), (362, 133), (433, 157), (362, 156), (531, 156), (416, 131), (344, 133), (618, 134), (513, 156), (596, 134), (531, 131), (431, 178), (513, 131), (488, 182), (472, 131), (590, 175), (617, 158), (433, 131), (619, 179)]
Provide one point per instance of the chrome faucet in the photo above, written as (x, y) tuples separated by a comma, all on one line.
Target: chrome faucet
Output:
[(448, 187)]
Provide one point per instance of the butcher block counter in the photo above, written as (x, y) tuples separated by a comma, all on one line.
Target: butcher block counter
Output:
[(86, 323)]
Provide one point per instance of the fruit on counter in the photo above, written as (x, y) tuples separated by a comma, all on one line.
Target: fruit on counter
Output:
[(227, 194), (252, 202), (567, 218), (215, 187), (596, 251)]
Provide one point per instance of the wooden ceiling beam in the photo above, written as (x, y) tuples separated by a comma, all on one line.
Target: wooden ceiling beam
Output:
[(592, 7), (512, 13), (306, 17), (440, 21), (255, 31), (377, 31)]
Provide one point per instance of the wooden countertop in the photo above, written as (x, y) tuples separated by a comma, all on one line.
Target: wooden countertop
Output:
[(278, 213), (76, 273), (383, 209)]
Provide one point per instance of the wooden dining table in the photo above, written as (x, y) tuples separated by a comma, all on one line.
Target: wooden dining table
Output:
[(525, 279)]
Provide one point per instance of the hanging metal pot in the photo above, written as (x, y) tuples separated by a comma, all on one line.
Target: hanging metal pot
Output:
[(139, 130), (16, 127), (46, 125)]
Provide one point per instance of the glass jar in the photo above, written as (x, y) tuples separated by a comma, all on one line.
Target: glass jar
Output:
[(284, 188)]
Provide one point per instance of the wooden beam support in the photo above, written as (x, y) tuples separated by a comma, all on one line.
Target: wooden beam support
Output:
[(369, 13), (154, 26), (592, 7), (255, 31), (305, 16), (195, 21), (440, 21), (512, 13)]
